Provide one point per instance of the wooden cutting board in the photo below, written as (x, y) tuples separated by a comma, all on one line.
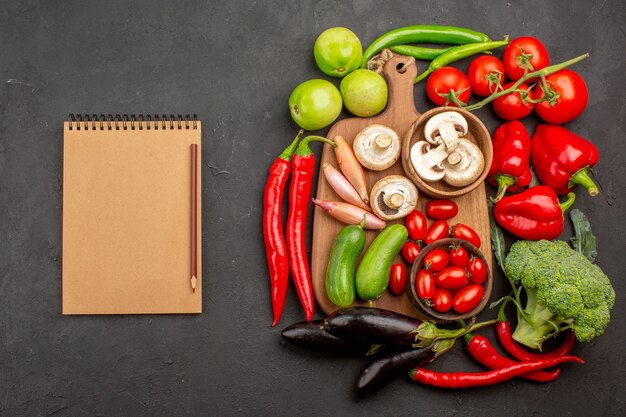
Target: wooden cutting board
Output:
[(399, 115)]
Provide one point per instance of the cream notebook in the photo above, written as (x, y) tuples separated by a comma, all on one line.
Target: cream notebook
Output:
[(128, 195)]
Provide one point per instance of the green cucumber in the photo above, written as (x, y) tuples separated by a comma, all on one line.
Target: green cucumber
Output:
[(345, 252), (372, 276)]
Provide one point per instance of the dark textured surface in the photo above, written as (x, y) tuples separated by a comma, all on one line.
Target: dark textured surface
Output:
[(234, 64)]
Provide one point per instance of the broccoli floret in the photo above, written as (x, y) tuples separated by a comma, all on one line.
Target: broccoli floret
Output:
[(563, 290)]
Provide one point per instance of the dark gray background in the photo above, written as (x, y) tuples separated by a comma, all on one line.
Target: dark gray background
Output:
[(234, 64)]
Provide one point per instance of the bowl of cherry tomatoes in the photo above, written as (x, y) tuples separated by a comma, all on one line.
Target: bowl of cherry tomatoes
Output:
[(450, 280)]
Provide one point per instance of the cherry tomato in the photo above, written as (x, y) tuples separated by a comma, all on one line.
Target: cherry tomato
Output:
[(397, 279), (436, 260), (451, 277), (468, 298), (529, 45), (463, 231), (455, 291), (410, 251), (442, 300), (511, 106), (416, 224), (425, 284), (458, 256), (437, 230), (571, 101), (445, 79), (477, 270), (441, 209), (480, 71)]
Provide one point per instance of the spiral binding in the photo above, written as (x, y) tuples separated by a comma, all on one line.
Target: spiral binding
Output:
[(124, 122)]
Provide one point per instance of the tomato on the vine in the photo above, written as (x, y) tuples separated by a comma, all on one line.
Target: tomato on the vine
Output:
[(468, 298), (511, 106), (458, 256), (416, 224), (437, 230), (483, 74), (532, 49), (425, 284), (451, 277), (571, 101), (442, 300), (397, 279), (443, 81), (410, 251), (436, 260), (463, 231), (477, 270), (441, 209)]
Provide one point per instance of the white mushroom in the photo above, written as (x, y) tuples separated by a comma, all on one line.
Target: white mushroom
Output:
[(464, 165), (377, 147), (393, 197), (447, 127), (427, 161)]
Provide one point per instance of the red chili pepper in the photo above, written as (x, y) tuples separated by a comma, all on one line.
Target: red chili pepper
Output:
[(303, 163), (533, 214), (275, 248), (510, 167), (486, 354), (563, 159), (503, 330), (457, 380)]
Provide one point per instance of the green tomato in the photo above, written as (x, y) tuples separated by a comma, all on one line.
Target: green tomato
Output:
[(315, 104), (338, 52), (364, 92)]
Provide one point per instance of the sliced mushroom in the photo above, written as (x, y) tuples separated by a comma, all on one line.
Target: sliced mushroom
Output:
[(393, 197), (428, 161), (446, 126), (377, 147), (464, 165)]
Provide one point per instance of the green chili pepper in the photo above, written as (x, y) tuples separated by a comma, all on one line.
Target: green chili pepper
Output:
[(459, 52), (450, 35), (418, 52)]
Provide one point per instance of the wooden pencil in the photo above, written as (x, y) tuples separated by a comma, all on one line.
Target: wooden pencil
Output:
[(194, 216)]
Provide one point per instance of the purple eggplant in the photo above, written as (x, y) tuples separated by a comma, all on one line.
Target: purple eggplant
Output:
[(313, 336)]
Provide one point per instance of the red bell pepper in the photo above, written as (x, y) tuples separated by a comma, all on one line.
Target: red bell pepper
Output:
[(533, 214), (563, 159), (510, 168)]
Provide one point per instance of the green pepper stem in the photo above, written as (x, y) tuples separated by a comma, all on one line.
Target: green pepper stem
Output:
[(501, 314), (289, 150), (534, 74), (582, 177), (571, 197), (504, 181), (305, 150)]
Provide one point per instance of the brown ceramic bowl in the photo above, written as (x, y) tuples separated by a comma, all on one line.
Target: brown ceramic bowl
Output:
[(450, 315), (477, 133)]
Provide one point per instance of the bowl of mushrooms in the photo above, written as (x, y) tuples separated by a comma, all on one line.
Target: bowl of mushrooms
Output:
[(447, 152)]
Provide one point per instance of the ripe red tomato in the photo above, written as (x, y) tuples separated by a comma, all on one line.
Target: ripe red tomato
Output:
[(451, 277), (425, 284), (458, 256), (436, 260), (437, 230), (416, 224), (441, 209), (397, 279), (511, 106), (442, 300), (463, 231), (480, 71), (410, 251), (571, 101), (477, 270), (468, 298), (528, 45), (445, 79)]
